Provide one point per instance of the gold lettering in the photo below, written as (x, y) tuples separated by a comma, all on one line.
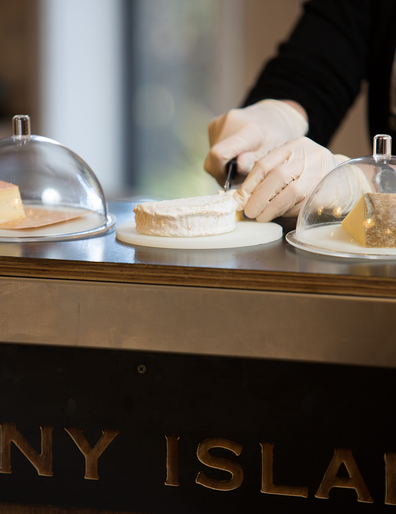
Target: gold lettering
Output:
[(390, 478), (355, 480), (267, 476), (42, 462), (219, 463), (91, 454), (172, 471)]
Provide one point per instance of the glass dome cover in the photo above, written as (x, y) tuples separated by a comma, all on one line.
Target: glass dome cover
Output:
[(61, 197), (319, 225)]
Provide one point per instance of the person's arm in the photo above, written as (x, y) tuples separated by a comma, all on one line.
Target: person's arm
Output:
[(323, 63), (317, 72), (299, 108)]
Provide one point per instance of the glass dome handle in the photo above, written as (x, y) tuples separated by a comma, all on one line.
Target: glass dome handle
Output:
[(21, 126), (382, 146)]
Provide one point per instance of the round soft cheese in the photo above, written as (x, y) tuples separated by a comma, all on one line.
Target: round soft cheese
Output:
[(187, 217)]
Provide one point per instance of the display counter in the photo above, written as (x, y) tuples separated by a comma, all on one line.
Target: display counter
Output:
[(151, 381)]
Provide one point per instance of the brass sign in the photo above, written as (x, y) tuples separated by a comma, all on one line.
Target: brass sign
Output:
[(43, 461), (342, 457), (330, 480)]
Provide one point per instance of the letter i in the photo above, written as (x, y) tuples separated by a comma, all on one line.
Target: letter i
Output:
[(172, 464), (390, 478)]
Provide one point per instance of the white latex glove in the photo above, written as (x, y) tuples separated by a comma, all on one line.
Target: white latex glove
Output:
[(280, 181), (250, 133)]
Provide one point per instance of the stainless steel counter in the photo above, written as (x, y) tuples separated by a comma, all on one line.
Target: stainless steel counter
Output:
[(276, 257), (267, 301)]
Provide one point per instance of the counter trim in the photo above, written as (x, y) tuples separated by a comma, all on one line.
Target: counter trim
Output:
[(251, 280)]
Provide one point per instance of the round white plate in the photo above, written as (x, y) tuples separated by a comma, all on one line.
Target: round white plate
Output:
[(334, 241), (77, 228), (246, 233)]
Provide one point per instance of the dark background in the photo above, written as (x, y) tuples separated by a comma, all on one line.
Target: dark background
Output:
[(306, 410)]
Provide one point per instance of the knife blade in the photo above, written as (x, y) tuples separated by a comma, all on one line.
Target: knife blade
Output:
[(232, 169)]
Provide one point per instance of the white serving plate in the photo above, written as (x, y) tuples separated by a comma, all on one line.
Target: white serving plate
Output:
[(246, 233), (89, 225), (333, 240)]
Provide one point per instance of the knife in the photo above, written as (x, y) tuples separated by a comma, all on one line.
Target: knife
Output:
[(232, 170)]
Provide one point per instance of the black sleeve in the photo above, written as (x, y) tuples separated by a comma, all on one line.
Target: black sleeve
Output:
[(322, 65)]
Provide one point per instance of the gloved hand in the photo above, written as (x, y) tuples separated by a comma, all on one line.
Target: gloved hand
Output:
[(280, 181), (249, 134)]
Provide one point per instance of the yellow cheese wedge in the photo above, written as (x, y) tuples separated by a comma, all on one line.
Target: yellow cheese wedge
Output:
[(239, 216), (372, 222), (11, 207)]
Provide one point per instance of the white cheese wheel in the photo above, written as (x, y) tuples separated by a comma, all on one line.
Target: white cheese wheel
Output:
[(187, 217)]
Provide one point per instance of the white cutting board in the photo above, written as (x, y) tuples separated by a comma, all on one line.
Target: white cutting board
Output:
[(246, 233)]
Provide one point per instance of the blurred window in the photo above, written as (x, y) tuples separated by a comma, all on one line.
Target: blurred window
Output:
[(173, 48)]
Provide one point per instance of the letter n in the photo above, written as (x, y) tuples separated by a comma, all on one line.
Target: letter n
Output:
[(42, 462)]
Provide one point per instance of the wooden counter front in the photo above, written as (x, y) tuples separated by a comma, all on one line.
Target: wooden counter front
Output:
[(273, 267), (158, 381)]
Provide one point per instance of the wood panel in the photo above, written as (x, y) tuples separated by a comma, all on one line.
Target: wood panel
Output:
[(19, 58), (253, 280)]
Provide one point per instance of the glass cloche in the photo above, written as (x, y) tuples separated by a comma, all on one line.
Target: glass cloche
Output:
[(352, 210), (47, 193)]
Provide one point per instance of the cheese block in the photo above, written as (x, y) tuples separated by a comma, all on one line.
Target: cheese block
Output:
[(372, 222), (187, 217), (11, 207)]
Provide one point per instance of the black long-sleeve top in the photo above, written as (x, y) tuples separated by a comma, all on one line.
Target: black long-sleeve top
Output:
[(334, 47)]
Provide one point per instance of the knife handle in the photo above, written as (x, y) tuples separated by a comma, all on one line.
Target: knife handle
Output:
[(232, 168)]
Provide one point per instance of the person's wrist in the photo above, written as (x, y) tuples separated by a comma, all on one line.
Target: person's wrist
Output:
[(293, 114), (298, 107)]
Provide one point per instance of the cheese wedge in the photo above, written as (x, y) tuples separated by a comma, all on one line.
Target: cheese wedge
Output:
[(372, 222), (11, 207)]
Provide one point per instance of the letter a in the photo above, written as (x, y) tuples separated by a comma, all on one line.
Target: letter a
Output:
[(355, 480)]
